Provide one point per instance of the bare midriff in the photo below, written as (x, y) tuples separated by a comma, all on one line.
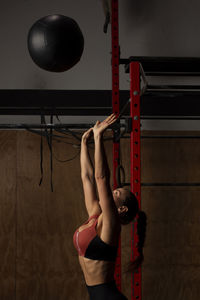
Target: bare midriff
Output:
[(97, 271)]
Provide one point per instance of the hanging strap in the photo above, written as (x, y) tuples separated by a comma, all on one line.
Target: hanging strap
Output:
[(41, 150), (49, 142), (51, 152)]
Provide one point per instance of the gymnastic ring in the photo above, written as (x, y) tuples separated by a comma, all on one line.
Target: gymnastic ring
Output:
[(119, 171)]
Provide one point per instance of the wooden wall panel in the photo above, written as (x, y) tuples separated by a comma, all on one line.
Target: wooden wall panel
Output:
[(171, 253), (170, 159), (37, 225), (7, 215), (172, 260), (172, 250), (47, 266)]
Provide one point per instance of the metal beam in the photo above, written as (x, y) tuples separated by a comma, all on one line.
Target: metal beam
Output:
[(157, 66), (97, 102)]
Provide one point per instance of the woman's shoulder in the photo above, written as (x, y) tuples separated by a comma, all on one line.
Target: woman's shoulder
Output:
[(110, 232)]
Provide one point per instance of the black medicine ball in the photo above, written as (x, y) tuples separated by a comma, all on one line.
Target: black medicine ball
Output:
[(55, 43)]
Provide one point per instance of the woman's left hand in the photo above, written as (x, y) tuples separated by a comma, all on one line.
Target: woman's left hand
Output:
[(100, 127), (86, 136)]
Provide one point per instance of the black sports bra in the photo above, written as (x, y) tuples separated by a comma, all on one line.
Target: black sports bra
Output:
[(90, 245)]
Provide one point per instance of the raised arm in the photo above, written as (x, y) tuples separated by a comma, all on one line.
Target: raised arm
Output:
[(87, 169), (102, 172), (87, 176)]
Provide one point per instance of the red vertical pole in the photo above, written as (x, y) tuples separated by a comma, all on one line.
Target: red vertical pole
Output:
[(135, 169), (115, 57), (115, 106)]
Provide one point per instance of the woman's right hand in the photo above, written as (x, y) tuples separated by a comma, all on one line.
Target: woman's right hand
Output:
[(100, 127)]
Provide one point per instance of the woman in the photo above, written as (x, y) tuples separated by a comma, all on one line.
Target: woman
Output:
[(97, 239)]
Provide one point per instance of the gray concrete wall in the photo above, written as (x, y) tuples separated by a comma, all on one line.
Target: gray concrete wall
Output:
[(154, 28), (17, 69), (149, 28)]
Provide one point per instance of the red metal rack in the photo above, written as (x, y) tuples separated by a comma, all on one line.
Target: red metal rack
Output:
[(115, 105), (135, 169), (135, 145)]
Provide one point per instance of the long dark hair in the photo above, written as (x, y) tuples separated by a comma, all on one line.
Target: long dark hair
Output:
[(132, 204), (133, 211), (141, 231)]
